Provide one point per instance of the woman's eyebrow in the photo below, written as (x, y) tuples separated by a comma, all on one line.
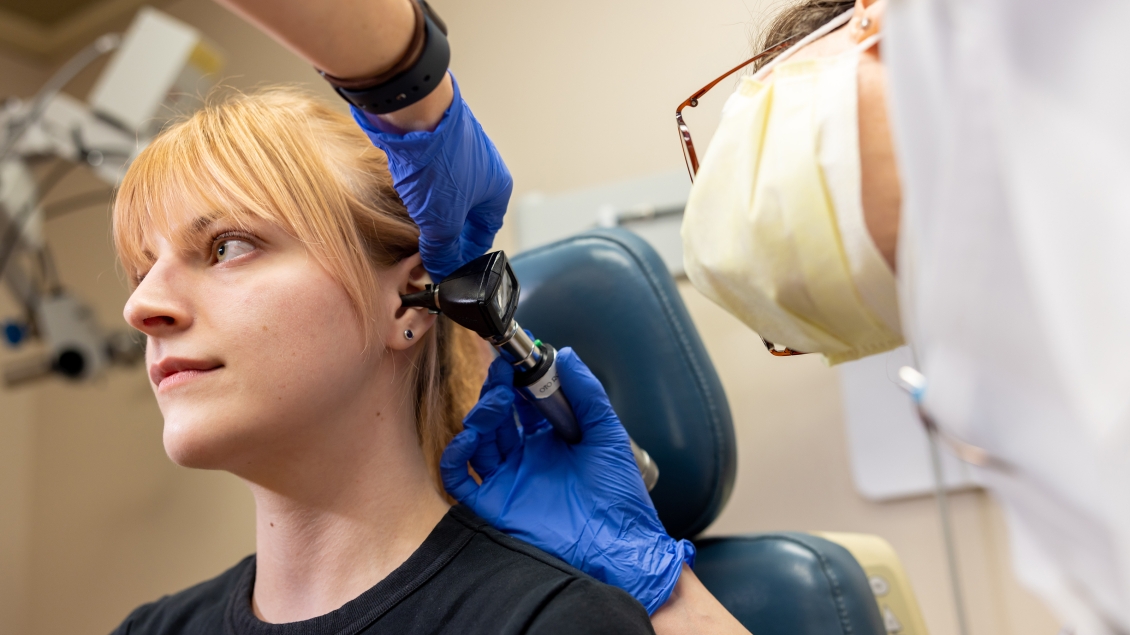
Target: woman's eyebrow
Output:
[(200, 225)]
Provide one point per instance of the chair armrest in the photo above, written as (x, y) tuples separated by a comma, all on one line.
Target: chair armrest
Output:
[(897, 602), (789, 584)]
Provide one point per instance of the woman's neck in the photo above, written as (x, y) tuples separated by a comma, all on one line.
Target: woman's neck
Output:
[(341, 517)]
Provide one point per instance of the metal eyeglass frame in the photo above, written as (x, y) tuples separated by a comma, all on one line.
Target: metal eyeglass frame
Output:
[(691, 157)]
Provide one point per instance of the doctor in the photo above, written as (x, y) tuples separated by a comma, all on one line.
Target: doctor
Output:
[(1013, 148)]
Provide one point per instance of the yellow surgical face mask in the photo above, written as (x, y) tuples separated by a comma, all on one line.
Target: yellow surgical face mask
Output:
[(774, 229)]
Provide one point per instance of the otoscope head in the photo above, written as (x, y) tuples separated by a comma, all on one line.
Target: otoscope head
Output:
[(482, 296)]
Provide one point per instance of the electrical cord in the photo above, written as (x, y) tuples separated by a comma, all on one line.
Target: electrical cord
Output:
[(12, 236), (15, 229), (915, 384), (947, 533)]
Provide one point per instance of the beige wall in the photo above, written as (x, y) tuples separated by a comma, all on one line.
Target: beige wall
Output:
[(18, 78), (94, 520)]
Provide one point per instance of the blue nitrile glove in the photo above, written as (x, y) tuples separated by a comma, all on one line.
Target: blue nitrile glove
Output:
[(584, 503), (453, 182)]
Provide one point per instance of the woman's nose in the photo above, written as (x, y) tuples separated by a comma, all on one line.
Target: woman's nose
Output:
[(155, 307)]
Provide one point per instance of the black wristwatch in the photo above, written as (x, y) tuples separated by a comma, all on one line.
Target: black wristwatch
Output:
[(406, 87)]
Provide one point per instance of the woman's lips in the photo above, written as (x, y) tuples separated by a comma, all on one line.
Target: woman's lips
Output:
[(183, 376), (172, 371)]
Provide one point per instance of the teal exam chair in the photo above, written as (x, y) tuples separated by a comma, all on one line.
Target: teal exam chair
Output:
[(607, 294)]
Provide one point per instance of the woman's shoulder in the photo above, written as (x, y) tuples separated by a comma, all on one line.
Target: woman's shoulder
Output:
[(488, 549), (546, 593), (589, 607), (197, 609)]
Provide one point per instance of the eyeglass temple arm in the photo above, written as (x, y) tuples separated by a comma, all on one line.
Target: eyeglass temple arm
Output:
[(692, 101)]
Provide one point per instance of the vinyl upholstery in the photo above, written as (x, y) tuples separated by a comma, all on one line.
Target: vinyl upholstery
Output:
[(607, 294)]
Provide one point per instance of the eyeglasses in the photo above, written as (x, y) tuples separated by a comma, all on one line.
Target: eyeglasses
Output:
[(691, 157)]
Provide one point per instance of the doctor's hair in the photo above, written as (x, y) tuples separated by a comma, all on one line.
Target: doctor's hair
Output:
[(796, 22), (285, 157)]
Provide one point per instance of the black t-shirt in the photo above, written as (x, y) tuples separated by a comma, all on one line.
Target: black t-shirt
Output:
[(466, 578)]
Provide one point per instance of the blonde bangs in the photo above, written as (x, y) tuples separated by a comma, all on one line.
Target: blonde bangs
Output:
[(159, 197), (277, 156)]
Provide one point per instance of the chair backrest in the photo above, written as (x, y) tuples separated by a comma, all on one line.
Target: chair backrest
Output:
[(608, 294)]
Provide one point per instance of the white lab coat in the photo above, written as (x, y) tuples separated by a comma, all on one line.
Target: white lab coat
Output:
[(1012, 127)]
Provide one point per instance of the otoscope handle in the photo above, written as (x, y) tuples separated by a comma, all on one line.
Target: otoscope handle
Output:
[(535, 376), (542, 387)]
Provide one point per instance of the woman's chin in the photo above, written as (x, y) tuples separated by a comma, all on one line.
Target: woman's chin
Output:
[(197, 446)]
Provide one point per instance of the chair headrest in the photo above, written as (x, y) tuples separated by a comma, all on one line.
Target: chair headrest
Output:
[(608, 294)]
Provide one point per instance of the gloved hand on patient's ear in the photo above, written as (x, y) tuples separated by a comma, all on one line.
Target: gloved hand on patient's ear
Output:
[(453, 182), (584, 503)]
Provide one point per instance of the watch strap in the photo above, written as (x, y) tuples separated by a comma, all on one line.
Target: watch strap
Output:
[(409, 80)]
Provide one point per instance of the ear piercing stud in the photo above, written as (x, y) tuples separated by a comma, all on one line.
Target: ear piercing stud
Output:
[(865, 23), (408, 334)]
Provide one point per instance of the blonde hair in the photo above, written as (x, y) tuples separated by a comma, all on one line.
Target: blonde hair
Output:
[(285, 157)]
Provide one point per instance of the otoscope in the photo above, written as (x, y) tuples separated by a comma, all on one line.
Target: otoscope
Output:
[(482, 296)]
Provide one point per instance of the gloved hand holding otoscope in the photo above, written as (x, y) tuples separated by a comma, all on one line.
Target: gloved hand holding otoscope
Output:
[(531, 479), (482, 296), (569, 480)]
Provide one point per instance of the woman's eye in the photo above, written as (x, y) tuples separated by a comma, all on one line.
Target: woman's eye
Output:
[(229, 248)]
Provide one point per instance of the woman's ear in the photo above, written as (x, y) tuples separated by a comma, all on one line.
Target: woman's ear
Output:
[(408, 324), (867, 19)]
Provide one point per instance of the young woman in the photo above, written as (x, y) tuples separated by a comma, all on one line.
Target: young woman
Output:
[(269, 252)]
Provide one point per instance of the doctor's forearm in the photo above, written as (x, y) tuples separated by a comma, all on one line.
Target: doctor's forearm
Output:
[(345, 38), (351, 39), (692, 610)]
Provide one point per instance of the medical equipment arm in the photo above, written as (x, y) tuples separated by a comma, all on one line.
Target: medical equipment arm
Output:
[(139, 89)]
